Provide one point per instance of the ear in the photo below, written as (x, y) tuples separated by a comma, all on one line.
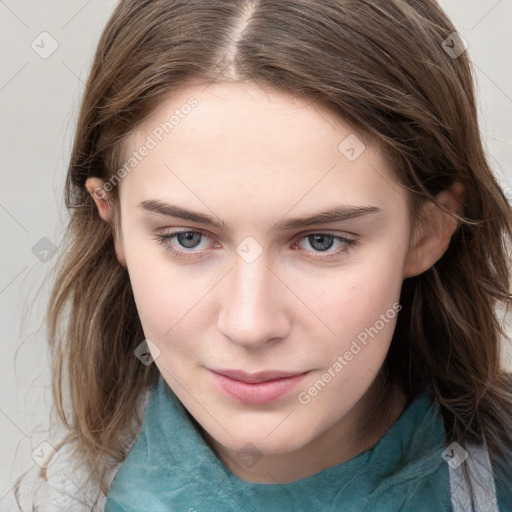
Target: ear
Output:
[(95, 187), (433, 237)]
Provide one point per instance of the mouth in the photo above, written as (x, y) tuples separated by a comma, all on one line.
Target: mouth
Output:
[(256, 388)]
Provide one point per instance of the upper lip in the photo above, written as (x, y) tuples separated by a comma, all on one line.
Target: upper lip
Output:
[(252, 378)]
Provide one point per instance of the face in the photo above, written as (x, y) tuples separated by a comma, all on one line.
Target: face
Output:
[(269, 327)]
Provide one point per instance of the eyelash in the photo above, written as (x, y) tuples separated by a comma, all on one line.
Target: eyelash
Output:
[(163, 239)]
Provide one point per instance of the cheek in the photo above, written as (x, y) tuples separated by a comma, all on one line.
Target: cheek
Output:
[(361, 310), (352, 297), (161, 296), (172, 300)]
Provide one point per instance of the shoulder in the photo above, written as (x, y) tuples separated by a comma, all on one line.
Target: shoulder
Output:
[(490, 483), (66, 486), (503, 480)]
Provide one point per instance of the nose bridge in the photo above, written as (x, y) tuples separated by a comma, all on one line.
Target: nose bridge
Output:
[(250, 287), (252, 279), (250, 312)]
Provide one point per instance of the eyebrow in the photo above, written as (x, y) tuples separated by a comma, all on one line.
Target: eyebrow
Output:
[(335, 214)]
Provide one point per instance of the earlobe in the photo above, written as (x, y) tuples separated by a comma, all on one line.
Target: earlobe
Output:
[(435, 234), (95, 188)]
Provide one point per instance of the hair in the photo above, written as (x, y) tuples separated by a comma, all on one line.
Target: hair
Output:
[(380, 66)]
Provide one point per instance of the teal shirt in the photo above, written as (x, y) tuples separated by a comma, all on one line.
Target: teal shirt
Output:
[(171, 468)]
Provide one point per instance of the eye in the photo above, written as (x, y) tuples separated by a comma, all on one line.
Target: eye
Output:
[(185, 239), (187, 244), (322, 242)]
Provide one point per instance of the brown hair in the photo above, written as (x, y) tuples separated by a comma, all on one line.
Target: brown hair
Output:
[(382, 66)]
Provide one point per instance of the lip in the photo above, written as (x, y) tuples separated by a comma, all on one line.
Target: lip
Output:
[(256, 388)]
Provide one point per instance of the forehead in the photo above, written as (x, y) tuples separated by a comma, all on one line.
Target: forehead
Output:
[(241, 139)]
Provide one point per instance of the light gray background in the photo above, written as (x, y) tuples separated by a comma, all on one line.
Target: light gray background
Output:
[(39, 100)]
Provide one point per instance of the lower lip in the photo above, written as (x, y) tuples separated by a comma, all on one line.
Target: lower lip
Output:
[(256, 393)]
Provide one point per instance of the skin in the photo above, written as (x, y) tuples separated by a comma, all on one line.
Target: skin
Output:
[(253, 157)]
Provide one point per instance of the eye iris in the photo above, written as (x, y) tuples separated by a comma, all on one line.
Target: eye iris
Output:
[(326, 241), (188, 238)]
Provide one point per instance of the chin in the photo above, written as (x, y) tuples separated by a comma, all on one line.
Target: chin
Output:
[(264, 444)]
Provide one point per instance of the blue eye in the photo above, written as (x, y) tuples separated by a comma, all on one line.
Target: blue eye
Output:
[(188, 242), (322, 242), (188, 239)]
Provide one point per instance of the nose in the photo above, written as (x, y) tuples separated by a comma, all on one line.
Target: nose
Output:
[(253, 309)]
